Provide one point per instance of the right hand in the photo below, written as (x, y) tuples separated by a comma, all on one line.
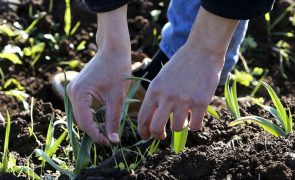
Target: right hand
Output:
[(103, 78)]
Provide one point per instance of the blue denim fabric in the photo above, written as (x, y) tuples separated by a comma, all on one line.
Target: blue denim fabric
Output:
[(181, 16)]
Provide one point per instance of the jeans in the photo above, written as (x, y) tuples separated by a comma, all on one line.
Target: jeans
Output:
[(181, 15)]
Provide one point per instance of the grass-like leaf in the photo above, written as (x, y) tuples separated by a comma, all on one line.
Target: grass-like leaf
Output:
[(6, 143), (264, 123), (30, 172), (280, 112), (67, 17), (84, 154), (212, 112), (179, 138), (70, 119), (231, 98), (11, 57), (42, 154)]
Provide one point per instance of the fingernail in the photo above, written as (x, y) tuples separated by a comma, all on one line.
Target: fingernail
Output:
[(114, 137)]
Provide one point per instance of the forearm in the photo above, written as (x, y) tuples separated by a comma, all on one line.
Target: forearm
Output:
[(112, 31), (210, 33)]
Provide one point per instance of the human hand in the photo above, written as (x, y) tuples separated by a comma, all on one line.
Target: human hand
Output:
[(103, 78), (188, 81)]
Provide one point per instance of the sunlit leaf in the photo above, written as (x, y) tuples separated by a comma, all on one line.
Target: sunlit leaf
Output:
[(11, 57), (265, 124)]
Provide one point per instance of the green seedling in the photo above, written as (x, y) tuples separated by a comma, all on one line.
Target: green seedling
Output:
[(13, 82), (2, 77), (231, 98), (68, 20), (11, 57), (179, 138), (8, 164), (272, 25), (20, 96), (81, 46), (67, 17), (51, 145), (81, 150), (213, 112), (283, 119), (4, 164), (31, 129), (72, 64), (35, 51)]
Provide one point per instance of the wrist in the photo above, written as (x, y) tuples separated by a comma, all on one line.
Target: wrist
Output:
[(112, 31), (211, 33)]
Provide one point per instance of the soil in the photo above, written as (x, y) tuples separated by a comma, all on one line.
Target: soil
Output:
[(216, 152)]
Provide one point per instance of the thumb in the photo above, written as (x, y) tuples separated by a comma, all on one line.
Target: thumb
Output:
[(113, 112)]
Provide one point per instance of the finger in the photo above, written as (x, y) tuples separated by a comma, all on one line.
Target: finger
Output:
[(179, 116), (196, 120), (159, 121), (84, 119), (145, 116), (114, 105)]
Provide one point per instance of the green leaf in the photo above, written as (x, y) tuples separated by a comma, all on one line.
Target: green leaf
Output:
[(14, 82), (75, 28), (235, 99), (70, 119), (67, 17), (280, 108), (231, 98), (42, 154), (81, 46), (29, 29), (5, 29), (20, 95), (49, 136), (57, 143), (26, 170), (265, 124), (212, 112), (179, 140), (6, 142), (84, 154), (11, 57), (73, 63)]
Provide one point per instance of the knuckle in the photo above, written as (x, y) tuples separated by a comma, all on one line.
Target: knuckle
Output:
[(154, 92), (200, 102), (171, 97)]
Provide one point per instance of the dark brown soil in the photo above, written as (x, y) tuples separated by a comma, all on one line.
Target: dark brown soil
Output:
[(20, 124), (216, 152)]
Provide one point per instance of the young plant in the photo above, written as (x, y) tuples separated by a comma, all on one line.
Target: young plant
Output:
[(179, 138), (283, 118), (4, 164), (51, 145), (81, 150), (8, 164), (231, 98)]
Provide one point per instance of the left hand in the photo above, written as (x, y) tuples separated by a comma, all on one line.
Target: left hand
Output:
[(185, 84)]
